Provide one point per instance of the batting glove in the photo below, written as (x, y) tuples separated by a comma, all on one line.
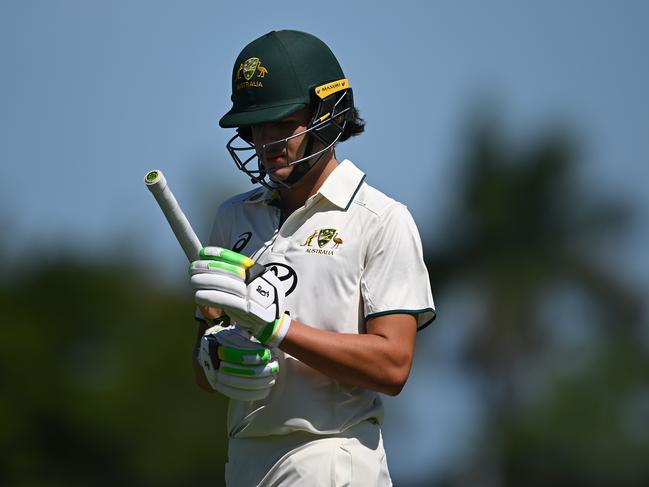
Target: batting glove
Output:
[(235, 366), (249, 295)]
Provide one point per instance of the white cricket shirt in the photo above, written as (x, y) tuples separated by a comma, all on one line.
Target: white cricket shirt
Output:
[(350, 253)]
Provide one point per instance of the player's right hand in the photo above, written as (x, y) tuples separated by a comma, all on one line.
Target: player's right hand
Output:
[(250, 295), (236, 366)]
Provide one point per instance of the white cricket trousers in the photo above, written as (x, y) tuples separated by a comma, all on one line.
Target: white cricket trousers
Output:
[(354, 458)]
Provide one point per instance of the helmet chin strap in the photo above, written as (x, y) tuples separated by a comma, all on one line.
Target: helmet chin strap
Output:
[(302, 168)]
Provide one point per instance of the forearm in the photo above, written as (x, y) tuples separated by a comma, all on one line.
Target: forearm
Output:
[(371, 361)]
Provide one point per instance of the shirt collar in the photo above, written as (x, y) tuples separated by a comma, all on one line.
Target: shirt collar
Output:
[(342, 184), (339, 188)]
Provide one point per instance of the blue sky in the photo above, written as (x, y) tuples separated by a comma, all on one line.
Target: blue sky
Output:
[(93, 94)]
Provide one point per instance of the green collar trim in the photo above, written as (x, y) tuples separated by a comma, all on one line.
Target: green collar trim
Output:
[(342, 185), (360, 183)]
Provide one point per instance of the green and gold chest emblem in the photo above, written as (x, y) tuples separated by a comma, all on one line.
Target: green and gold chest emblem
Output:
[(325, 235)]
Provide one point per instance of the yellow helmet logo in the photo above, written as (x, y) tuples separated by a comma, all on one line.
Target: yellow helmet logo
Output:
[(327, 89)]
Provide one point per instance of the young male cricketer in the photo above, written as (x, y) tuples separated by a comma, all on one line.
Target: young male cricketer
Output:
[(331, 321)]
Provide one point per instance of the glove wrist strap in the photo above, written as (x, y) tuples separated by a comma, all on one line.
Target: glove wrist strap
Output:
[(273, 333)]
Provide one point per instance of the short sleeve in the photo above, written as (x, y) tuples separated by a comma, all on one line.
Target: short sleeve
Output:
[(395, 279)]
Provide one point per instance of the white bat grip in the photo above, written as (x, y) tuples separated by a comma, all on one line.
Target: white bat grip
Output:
[(157, 184)]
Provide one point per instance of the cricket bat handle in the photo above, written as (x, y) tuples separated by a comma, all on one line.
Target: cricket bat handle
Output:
[(157, 184)]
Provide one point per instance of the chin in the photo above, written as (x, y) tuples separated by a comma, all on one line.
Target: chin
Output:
[(281, 174)]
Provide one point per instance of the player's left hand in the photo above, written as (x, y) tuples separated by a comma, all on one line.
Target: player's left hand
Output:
[(251, 296), (235, 366)]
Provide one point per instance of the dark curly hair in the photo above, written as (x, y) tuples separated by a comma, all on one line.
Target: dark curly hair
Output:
[(355, 126)]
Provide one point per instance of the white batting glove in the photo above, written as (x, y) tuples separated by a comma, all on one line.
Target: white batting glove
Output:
[(249, 295), (235, 366)]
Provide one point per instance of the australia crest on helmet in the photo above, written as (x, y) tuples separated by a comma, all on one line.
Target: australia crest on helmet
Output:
[(249, 67)]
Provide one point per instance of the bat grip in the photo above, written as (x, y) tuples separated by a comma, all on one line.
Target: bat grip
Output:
[(157, 184)]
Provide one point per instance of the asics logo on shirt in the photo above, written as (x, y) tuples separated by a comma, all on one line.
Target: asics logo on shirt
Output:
[(244, 238)]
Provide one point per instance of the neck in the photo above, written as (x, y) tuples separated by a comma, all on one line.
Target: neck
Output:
[(294, 197)]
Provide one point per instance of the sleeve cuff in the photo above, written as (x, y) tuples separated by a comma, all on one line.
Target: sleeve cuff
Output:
[(424, 316)]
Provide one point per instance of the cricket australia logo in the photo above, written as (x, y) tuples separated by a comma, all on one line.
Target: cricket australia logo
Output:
[(323, 237), (247, 69)]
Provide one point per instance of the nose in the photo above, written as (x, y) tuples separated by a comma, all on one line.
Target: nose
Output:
[(263, 134), (268, 139)]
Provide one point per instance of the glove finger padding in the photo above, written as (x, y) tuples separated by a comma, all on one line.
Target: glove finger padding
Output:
[(236, 348), (231, 378), (218, 288), (244, 387), (220, 281), (217, 279), (236, 366)]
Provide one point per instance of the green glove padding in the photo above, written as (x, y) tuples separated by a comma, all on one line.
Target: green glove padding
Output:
[(236, 366)]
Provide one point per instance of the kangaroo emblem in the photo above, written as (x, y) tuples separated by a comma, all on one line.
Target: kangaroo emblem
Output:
[(308, 240), (250, 67)]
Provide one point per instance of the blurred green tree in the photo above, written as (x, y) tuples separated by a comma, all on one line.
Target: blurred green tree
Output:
[(564, 386), (97, 382)]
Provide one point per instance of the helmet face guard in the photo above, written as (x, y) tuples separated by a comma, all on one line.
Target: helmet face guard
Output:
[(325, 127)]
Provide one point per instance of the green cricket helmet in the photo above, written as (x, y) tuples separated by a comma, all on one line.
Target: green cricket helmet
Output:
[(275, 76)]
